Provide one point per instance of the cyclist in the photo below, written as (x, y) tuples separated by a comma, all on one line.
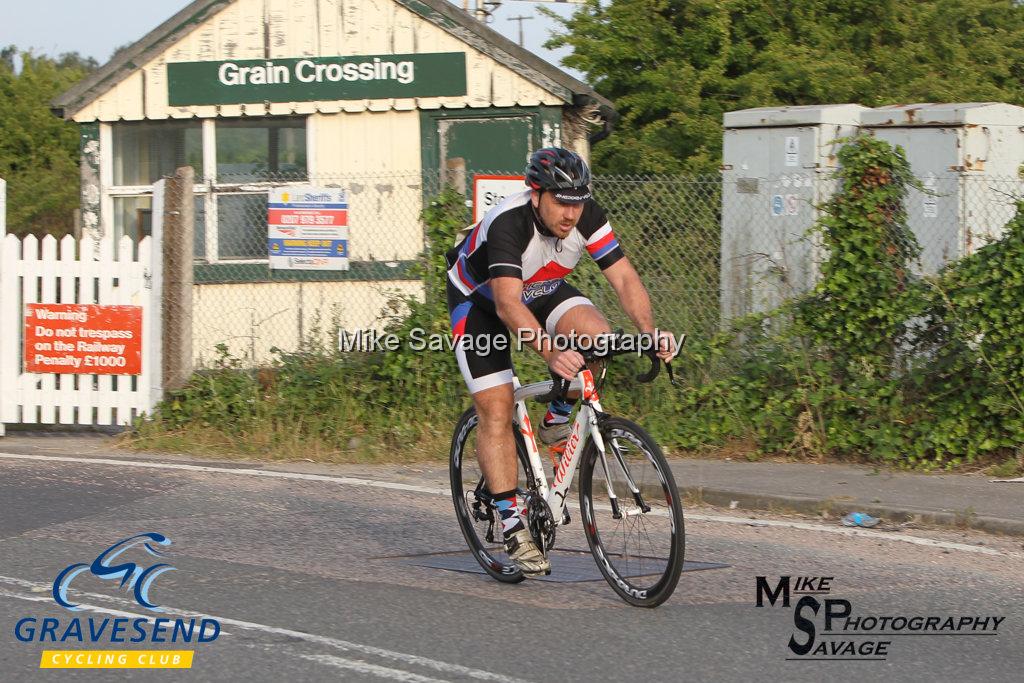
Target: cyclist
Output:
[(508, 274)]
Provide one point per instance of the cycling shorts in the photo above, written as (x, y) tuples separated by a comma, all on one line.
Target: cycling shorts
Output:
[(483, 344)]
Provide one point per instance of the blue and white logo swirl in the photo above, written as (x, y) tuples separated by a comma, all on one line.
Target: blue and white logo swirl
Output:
[(535, 290), (137, 577)]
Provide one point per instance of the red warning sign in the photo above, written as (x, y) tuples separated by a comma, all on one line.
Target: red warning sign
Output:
[(83, 339)]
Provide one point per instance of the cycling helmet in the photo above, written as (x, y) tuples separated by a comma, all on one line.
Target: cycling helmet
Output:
[(560, 170)]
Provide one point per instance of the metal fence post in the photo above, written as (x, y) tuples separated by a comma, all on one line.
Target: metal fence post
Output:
[(177, 255)]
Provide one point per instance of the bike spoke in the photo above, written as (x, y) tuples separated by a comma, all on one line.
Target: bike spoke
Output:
[(641, 552)]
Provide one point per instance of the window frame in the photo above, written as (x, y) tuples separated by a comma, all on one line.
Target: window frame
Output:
[(207, 186)]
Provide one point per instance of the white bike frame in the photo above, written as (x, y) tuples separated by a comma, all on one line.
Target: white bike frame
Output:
[(584, 427)]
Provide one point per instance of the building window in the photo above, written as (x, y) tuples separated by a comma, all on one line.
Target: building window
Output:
[(144, 152), (133, 217), (245, 157), (241, 226), (266, 150), (199, 235)]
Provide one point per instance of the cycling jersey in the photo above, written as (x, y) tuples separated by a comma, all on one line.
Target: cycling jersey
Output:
[(509, 242), (486, 360)]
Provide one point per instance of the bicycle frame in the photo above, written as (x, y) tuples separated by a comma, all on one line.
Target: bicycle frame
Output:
[(584, 427)]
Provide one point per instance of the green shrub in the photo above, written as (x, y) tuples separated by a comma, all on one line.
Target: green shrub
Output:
[(873, 363)]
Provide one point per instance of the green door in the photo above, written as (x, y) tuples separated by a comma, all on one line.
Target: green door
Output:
[(471, 146)]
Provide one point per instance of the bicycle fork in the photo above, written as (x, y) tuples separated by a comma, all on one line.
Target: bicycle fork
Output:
[(599, 443)]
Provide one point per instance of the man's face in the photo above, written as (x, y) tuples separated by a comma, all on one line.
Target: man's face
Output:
[(558, 217)]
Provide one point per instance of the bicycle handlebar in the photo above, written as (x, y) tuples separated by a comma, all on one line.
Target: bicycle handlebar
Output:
[(560, 385)]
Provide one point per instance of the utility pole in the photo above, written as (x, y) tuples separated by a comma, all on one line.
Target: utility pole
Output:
[(483, 10), (520, 19)]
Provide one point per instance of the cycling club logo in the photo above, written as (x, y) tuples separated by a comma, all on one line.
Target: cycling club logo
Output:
[(134, 563), (138, 578)]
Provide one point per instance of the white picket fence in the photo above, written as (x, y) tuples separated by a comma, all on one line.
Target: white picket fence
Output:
[(77, 272)]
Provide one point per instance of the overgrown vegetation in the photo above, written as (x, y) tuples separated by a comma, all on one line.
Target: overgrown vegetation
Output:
[(874, 363)]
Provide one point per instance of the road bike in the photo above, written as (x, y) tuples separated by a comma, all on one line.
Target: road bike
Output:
[(629, 504)]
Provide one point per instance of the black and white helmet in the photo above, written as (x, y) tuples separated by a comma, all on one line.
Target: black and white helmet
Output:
[(560, 170)]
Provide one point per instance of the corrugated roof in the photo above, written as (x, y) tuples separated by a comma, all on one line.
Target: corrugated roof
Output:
[(439, 12)]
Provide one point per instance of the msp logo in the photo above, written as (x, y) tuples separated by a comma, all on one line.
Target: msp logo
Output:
[(830, 628), (136, 575), (137, 578)]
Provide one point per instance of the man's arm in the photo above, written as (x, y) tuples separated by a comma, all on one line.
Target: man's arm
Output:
[(636, 302), (508, 301)]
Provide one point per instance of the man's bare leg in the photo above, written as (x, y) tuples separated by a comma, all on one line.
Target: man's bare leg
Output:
[(496, 449), (496, 452), (584, 320)]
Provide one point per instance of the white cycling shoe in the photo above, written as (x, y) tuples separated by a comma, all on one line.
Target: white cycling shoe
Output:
[(526, 555), (555, 433)]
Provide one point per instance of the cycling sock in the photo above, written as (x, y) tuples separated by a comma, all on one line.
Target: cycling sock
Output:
[(558, 412), (508, 507)]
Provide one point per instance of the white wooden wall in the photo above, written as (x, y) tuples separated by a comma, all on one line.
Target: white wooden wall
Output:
[(305, 28), (76, 272)]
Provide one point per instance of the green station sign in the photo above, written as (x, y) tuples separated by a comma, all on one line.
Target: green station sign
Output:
[(308, 79)]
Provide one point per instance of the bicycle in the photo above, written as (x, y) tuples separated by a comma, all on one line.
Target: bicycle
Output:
[(637, 541)]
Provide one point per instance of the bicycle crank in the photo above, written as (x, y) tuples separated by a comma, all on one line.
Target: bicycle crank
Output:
[(540, 521)]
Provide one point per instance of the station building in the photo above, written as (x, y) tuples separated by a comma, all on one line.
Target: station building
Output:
[(386, 98)]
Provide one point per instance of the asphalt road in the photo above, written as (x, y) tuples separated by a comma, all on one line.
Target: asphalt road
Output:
[(317, 577)]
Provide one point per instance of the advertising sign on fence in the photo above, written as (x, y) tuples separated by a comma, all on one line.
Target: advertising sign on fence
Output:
[(489, 190), (307, 228), (83, 339)]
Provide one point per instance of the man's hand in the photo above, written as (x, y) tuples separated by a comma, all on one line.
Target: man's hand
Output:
[(665, 342), (565, 364)]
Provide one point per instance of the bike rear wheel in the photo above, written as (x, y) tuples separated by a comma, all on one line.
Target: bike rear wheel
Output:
[(639, 549), (478, 520)]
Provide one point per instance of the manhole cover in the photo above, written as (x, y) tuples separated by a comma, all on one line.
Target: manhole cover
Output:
[(566, 566)]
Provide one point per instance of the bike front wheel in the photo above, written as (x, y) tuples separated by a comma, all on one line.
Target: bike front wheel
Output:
[(632, 516), (478, 520)]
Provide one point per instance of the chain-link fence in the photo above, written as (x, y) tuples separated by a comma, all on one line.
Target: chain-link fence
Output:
[(708, 249)]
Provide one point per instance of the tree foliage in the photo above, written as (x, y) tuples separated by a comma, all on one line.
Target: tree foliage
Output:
[(38, 151), (673, 67)]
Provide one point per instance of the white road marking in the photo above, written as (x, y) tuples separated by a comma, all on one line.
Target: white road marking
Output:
[(367, 668), (85, 607), (847, 531), (344, 645), (352, 481), (374, 483)]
